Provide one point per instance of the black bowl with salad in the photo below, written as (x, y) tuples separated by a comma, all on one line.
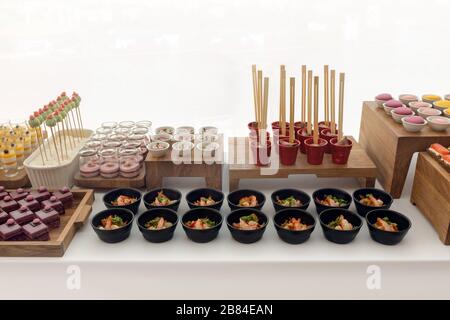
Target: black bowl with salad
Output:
[(340, 225), (387, 227), (158, 225), (247, 225), (162, 198), (331, 198), (290, 198), (368, 199), (205, 197), (113, 225), (202, 224)]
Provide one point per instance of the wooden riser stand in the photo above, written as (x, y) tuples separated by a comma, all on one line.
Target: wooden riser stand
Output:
[(431, 194), (391, 147), (191, 166), (241, 165)]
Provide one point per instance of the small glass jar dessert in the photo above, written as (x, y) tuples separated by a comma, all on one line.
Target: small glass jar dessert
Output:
[(130, 162), (109, 125), (109, 167), (89, 163), (112, 144), (98, 137), (117, 137), (105, 131), (93, 145), (141, 138), (123, 131), (144, 124), (126, 124)]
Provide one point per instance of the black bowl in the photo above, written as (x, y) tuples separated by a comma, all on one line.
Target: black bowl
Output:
[(234, 197), (321, 193), (205, 235), (339, 236), (386, 237), (157, 235), (173, 194), (362, 209), (292, 236), (112, 195), (196, 194), (285, 193), (117, 235), (246, 236)]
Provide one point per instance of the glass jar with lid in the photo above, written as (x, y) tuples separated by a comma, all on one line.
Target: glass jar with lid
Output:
[(141, 138), (109, 167), (117, 137), (126, 124), (94, 145), (105, 131), (89, 163), (130, 162), (109, 125), (122, 130), (144, 124), (98, 137), (112, 144)]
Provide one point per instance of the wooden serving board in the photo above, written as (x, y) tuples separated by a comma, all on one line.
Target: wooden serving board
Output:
[(60, 238), (19, 181), (431, 194), (241, 165), (391, 147), (192, 166), (118, 182)]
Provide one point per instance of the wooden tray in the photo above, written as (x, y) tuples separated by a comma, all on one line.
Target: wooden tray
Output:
[(61, 237), (241, 165), (119, 182), (391, 147), (19, 181), (195, 166), (431, 194)]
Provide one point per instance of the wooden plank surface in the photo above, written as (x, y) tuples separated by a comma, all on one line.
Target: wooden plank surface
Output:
[(118, 182), (391, 147), (61, 237), (431, 194)]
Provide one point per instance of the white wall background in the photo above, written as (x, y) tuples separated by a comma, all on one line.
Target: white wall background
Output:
[(189, 61)]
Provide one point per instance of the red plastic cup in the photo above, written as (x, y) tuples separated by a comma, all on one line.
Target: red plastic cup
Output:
[(314, 152), (340, 153), (301, 136), (255, 135), (252, 126), (327, 135), (288, 151), (276, 125), (261, 152)]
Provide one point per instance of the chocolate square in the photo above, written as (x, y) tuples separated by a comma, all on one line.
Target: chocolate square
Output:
[(11, 231), (65, 196), (30, 203), (8, 205), (54, 203), (36, 230), (23, 215), (41, 194), (19, 194), (3, 216), (3, 192), (50, 217)]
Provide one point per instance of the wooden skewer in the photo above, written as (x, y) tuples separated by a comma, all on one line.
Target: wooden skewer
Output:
[(316, 111), (303, 113), (341, 106), (39, 146), (64, 136), (266, 101), (325, 95), (260, 97), (75, 129), (333, 101), (255, 92), (69, 136), (283, 100), (292, 110), (54, 142), (309, 124), (81, 122), (42, 141), (60, 140)]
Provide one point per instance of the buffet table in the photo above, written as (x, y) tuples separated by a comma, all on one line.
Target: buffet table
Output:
[(417, 267)]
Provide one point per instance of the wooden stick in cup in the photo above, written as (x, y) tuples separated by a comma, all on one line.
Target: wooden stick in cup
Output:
[(255, 92), (283, 100), (325, 94), (316, 111), (260, 97), (341, 106), (292, 109), (266, 98), (303, 112), (333, 101), (309, 124)]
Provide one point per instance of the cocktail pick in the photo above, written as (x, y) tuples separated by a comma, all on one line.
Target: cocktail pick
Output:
[(77, 103), (63, 113), (51, 122), (34, 123), (77, 113), (61, 133), (41, 119)]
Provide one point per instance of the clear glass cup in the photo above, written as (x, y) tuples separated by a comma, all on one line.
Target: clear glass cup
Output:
[(139, 130), (109, 167), (105, 131), (126, 124), (123, 131), (89, 162), (141, 138), (112, 144), (144, 124), (117, 137), (93, 145), (109, 125), (98, 137)]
